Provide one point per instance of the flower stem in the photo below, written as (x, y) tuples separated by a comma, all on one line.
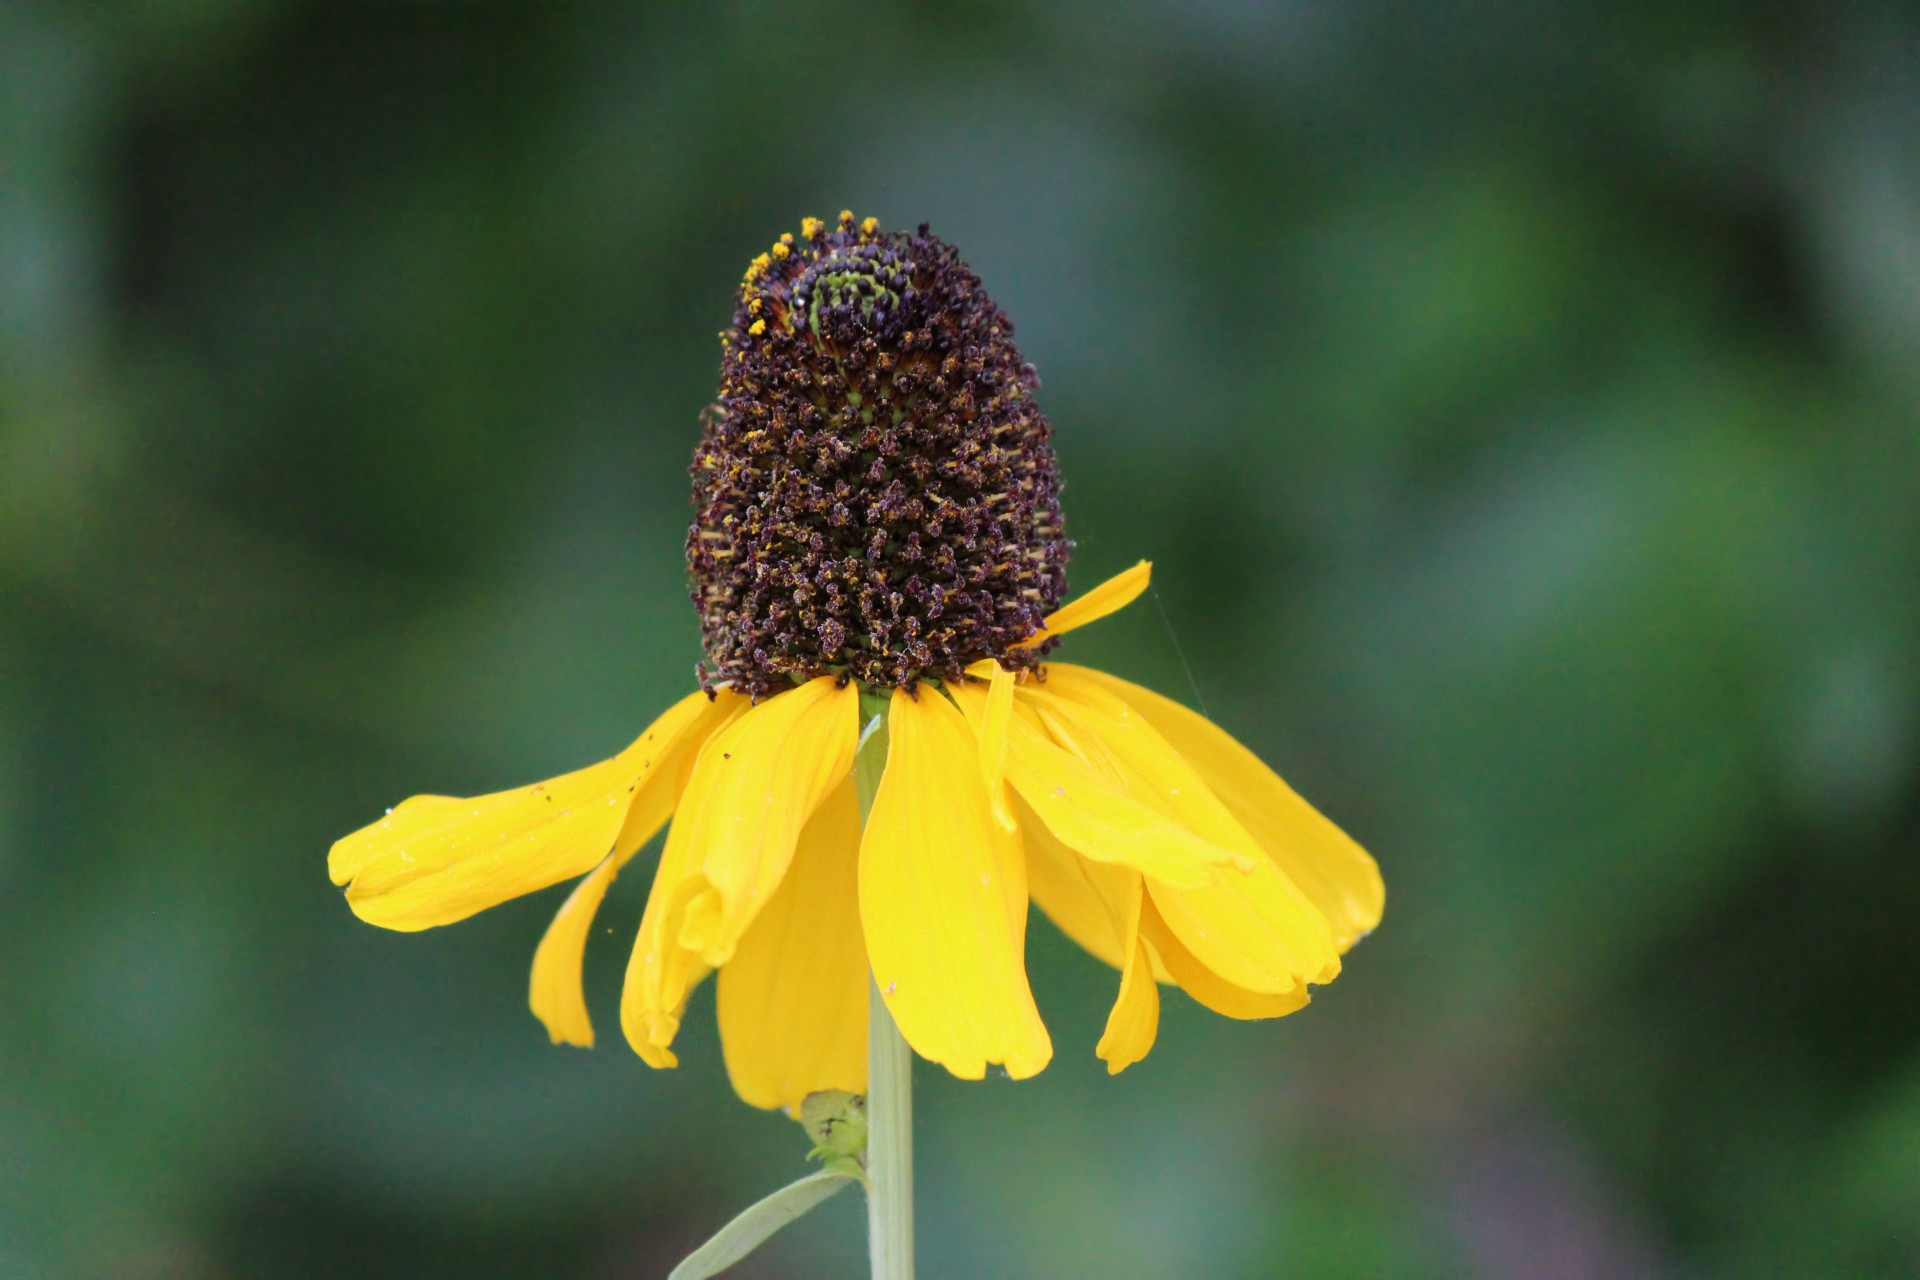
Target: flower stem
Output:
[(889, 1064), (889, 1145)]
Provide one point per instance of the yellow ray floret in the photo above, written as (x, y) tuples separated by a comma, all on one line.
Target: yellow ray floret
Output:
[(1111, 596), (751, 791), (773, 770), (1207, 986), (555, 992), (937, 880), (793, 1000), (996, 717), (1099, 905), (437, 859), (1336, 873), (1063, 886), (1090, 812), (660, 973), (1253, 927)]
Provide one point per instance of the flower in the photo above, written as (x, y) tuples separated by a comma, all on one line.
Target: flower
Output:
[(878, 524)]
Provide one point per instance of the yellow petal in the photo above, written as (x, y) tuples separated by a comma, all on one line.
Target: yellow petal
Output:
[(793, 1000), (555, 992), (1208, 987), (1333, 871), (656, 1048), (1250, 925), (774, 767), (992, 730), (1099, 906), (1057, 879), (1081, 896), (436, 859), (773, 763), (1135, 1019), (1078, 894), (1092, 814), (661, 973), (1103, 730), (934, 870), (656, 800), (371, 845), (1111, 596)]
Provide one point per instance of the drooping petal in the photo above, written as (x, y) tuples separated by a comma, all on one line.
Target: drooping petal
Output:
[(934, 873), (660, 972), (1328, 866), (1206, 986), (555, 992), (1081, 896), (1250, 925), (1111, 596), (992, 730), (793, 1000), (1089, 812), (1058, 882), (438, 859), (1099, 906), (773, 769), (657, 798), (753, 787), (663, 1028), (1134, 1020)]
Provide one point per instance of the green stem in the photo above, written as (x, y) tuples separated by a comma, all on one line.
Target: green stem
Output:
[(889, 1063)]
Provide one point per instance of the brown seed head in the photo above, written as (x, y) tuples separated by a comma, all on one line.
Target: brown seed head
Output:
[(875, 492)]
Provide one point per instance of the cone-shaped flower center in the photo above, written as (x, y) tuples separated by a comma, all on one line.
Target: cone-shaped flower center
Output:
[(875, 491)]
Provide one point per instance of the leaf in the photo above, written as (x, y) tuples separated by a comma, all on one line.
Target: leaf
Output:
[(754, 1225)]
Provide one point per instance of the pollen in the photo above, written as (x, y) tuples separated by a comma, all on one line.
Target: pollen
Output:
[(875, 489)]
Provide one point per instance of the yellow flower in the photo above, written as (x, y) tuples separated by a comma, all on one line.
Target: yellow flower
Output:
[(1149, 836)]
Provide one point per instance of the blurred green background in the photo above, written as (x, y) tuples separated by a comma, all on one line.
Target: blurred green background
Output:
[(1521, 404)]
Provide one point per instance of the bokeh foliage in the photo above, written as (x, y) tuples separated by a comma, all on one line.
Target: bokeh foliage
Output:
[(1520, 403)]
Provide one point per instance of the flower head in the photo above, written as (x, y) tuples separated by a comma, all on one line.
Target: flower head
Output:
[(875, 491), (878, 523)]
